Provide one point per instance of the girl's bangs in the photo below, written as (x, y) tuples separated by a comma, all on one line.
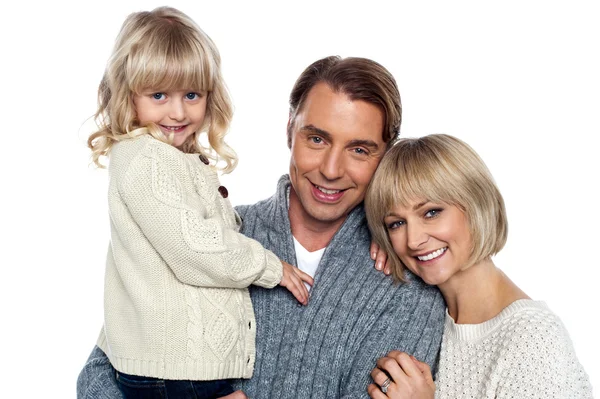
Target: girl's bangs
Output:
[(175, 67)]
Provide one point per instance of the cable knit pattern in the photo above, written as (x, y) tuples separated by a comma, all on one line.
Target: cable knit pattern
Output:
[(325, 350), (176, 302), (354, 316), (524, 352)]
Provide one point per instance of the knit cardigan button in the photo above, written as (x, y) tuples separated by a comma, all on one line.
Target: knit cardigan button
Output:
[(223, 191), (203, 159)]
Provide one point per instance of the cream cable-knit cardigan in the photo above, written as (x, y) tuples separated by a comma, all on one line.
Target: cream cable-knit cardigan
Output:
[(176, 303), (524, 352)]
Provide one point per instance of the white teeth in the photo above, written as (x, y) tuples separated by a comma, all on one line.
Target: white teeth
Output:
[(433, 255), (326, 191)]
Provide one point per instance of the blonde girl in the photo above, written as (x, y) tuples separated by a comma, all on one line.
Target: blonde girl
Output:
[(178, 319)]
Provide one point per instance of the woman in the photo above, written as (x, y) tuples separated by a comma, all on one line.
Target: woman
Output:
[(434, 207)]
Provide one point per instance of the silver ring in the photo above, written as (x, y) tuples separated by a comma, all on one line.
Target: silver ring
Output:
[(385, 385)]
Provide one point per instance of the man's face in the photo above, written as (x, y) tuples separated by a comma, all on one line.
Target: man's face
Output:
[(336, 146)]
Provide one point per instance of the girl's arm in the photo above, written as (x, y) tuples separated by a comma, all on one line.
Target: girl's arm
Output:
[(159, 192)]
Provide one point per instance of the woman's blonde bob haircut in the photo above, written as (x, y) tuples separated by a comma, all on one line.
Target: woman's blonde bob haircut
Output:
[(162, 50), (441, 169)]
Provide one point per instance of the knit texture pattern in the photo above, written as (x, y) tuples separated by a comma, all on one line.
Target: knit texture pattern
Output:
[(524, 352), (176, 302), (354, 316), (326, 349)]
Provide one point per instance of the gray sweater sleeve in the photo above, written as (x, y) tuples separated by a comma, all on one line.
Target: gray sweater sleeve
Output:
[(97, 379)]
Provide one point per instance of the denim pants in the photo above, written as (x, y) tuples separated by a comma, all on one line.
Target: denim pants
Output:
[(136, 387)]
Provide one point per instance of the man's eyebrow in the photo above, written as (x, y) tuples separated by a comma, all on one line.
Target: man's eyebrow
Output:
[(364, 143), (312, 128)]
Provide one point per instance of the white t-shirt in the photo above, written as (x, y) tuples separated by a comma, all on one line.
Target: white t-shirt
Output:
[(307, 261)]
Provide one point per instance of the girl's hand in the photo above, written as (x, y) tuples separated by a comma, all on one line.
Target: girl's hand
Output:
[(380, 259), (409, 378), (293, 279)]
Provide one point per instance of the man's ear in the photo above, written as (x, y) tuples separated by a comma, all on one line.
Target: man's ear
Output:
[(290, 126)]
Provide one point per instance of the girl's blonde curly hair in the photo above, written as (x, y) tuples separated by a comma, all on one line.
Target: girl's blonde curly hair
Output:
[(162, 50)]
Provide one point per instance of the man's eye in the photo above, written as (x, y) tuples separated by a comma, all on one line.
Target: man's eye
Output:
[(360, 151), (158, 96), (316, 140)]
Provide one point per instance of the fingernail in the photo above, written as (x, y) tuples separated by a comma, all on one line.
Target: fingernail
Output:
[(373, 255), (378, 265)]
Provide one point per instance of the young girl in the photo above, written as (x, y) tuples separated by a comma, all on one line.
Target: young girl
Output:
[(176, 304), (434, 207)]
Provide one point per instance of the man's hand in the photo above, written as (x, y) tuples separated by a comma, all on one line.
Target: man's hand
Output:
[(293, 279), (401, 376), (380, 259)]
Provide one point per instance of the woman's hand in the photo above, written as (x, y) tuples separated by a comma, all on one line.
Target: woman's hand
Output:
[(235, 395), (380, 259), (408, 378), (293, 279)]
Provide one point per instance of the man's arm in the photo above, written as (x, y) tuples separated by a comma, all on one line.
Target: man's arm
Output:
[(97, 379)]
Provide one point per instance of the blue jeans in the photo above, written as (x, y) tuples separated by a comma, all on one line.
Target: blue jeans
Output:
[(136, 387)]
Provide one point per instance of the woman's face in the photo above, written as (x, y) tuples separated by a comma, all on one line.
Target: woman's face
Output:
[(431, 239)]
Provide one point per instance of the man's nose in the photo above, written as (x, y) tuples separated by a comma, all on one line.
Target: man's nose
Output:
[(332, 166)]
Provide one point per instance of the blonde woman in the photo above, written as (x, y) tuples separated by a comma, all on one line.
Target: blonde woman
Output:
[(178, 320), (434, 208)]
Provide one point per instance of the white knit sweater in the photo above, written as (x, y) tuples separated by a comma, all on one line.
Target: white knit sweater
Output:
[(524, 352), (176, 303)]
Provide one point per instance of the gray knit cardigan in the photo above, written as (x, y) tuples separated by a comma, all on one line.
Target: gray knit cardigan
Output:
[(326, 349)]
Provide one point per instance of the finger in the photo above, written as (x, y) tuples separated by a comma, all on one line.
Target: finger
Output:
[(307, 278), (379, 376), (304, 290), (392, 368), (407, 364), (374, 250), (301, 287), (387, 269), (235, 395), (374, 392), (381, 260), (423, 368)]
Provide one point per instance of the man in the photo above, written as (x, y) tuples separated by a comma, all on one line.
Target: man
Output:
[(344, 114)]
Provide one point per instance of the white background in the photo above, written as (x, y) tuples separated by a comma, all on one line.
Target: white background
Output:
[(518, 80)]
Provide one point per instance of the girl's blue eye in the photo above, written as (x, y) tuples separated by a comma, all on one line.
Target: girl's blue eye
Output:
[(192, 96), (158, 96)]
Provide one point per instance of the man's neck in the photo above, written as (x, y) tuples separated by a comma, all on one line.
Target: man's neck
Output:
[(311, 233)]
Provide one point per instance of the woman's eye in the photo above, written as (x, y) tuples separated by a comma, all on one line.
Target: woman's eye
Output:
[(433, 213), (158, 96), (394, 225)]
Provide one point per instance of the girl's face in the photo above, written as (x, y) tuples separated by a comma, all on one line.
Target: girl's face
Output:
[(432, 240), (177, 112)]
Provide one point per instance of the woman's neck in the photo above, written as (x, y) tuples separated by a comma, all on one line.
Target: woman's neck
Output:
[(479, 293)]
